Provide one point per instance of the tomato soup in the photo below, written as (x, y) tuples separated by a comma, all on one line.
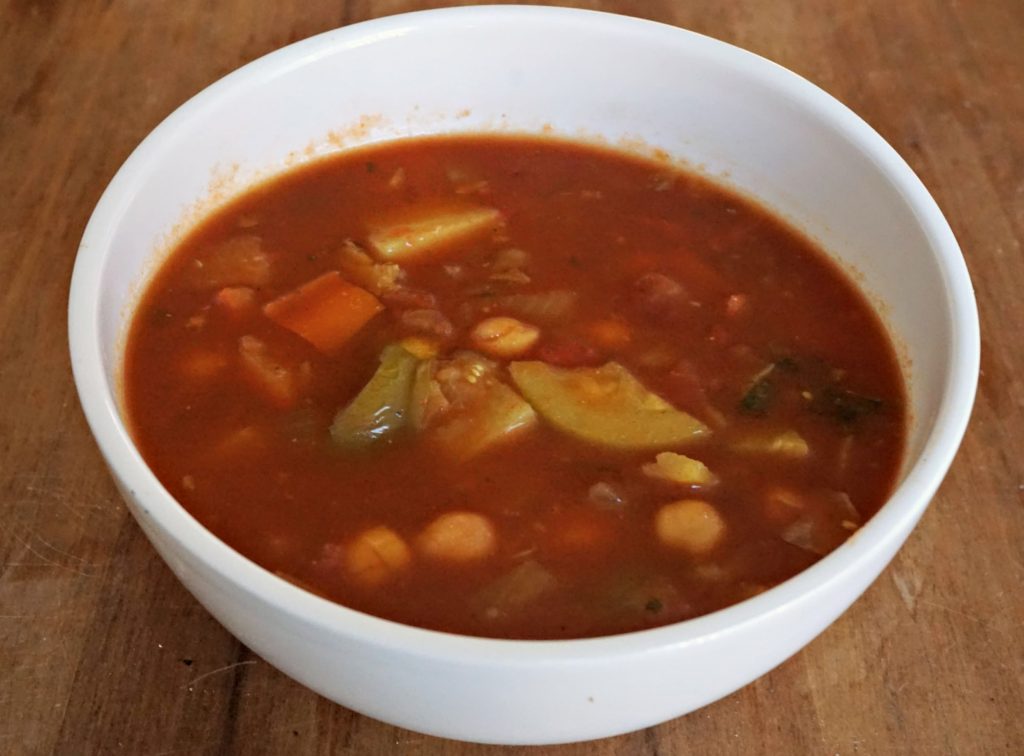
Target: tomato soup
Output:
[(514, 387)]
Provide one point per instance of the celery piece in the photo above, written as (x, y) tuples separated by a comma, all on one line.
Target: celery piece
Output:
[(466, 406), (427, 400), (606, 405), (420, 237), (381, 408), (514, 591)]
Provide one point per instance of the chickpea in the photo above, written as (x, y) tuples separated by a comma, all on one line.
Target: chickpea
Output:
[(689, 525), (504, 337), (376, 555), (458, 537)]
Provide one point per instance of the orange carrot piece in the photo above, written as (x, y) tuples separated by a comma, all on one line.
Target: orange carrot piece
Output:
[(326, 311)]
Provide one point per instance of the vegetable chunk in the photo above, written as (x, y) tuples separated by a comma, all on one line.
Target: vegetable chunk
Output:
[(678, 468), (326, 312), (604, 405), (515, 590), (422, 237), (279, 383), (238, 261), (789, 444), (359, 268), (482, 410), (381, 409)]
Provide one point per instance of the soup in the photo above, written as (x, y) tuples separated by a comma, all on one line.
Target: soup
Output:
[(514, 387)]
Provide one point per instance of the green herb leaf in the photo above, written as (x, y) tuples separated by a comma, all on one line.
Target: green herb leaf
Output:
[(788, 364), (758, 397), (654, 606), (845, 406)]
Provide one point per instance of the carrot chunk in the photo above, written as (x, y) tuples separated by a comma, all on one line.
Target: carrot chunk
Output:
[(326, 311)]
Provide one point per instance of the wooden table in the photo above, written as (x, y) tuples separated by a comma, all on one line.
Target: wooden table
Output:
[(102, 651)]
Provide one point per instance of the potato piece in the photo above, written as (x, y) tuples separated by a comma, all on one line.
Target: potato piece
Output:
[(678, 468), (690, 525), (359, 268), (423, 237), (279, 384), (604, 405), (376, 556), (504, 337), (238, 261), (458, 537), (789, 444)]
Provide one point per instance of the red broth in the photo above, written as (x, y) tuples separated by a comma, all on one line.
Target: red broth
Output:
[(514, 387)]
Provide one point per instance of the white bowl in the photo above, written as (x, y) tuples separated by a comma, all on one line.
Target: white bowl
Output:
[(575, 73)]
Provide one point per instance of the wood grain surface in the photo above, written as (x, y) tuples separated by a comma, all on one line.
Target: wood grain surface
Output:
[(103, 652)]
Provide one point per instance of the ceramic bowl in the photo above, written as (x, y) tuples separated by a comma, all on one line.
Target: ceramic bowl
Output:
[(723, 111)]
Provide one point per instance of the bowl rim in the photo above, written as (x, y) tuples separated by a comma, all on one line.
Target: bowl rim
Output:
[(896, 517)]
